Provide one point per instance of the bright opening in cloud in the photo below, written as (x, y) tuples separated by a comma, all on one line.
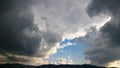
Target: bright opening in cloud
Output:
[(34, 31), (114, 64)]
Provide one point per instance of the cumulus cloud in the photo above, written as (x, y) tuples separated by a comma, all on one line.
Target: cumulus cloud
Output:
[(67, 16), (14, 20), (31, 30), (18, 34), (114, 64), (104, 46), (20, 37), (62, 61)]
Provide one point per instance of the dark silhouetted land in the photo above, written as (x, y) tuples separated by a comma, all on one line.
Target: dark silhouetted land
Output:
[(47, 66)]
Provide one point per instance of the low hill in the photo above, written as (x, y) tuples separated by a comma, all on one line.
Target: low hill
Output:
[(47, 66)]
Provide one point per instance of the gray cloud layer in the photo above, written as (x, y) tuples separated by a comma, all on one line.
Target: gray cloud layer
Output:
[(15, 18), (105, 46), (30, 32), (20, 38)]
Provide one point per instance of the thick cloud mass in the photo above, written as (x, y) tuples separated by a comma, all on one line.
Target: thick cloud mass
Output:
[(15, 18), (67, 16), (98, 6), (32, 29), (105, 46), (18, 34), (20, 38)]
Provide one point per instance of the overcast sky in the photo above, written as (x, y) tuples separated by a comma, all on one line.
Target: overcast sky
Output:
[(37, 32)]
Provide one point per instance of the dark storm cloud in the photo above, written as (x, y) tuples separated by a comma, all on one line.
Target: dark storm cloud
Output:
[(106, 44), (15, 22), (98, 6), (20, 38)]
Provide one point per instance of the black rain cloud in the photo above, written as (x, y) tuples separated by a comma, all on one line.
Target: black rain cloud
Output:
[(105, 46), (14, 19), (19, 36)]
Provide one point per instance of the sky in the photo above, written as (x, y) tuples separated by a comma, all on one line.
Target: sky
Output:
[(37, 32)]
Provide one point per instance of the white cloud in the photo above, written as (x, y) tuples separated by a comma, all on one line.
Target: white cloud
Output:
[(62, 61), (66, 45), (114, 64), (100, 20), (87, 62), (62, 19), (67, 18)]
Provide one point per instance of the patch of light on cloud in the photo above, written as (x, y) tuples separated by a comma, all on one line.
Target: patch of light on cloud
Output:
[(81, 32), (100, 20), (114, 64)]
